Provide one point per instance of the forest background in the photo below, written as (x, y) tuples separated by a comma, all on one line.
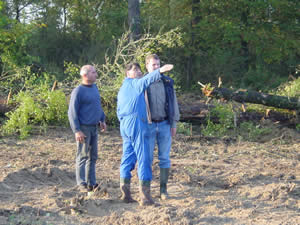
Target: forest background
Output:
[(236, 164), (251, 44)]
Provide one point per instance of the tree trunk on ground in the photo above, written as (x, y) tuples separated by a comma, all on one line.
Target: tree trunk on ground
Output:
[(196, 111), (255, 97)]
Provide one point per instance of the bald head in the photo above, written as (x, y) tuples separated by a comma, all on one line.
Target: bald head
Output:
[(88, 74), (85, 69)]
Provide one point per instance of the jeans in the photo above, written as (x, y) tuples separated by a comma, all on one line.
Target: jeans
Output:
[(87, 155), (160, 133)]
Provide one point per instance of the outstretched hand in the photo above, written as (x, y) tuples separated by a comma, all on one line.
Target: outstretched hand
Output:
[(166, 68)]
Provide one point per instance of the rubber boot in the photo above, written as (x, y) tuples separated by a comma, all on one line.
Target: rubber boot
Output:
[(164, 175), (125, 190), (145, 195)]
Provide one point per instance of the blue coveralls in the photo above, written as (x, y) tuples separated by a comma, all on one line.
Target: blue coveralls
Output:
[(131, 111)]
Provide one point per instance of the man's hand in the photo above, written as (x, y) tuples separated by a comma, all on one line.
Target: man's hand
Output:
[(79, 136), (166, 68), (173, 132), (102, 126)]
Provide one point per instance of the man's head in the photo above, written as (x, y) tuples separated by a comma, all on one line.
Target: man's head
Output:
[(133, 70), (152, 63), (88, 74)]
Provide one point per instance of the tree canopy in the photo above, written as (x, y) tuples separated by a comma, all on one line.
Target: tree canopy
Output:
[(252, 44)]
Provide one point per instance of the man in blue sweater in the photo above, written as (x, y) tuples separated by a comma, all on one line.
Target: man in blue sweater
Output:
[(131, 111), (85, 115)]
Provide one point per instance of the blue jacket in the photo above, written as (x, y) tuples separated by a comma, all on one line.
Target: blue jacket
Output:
[(169, 88)]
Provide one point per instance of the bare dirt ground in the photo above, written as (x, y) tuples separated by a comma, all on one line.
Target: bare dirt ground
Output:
[(212, 181)]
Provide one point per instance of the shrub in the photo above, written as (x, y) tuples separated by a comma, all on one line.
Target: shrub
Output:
[(184, 128), (38, 106), (252, 132), (224, 118), (290, 89)]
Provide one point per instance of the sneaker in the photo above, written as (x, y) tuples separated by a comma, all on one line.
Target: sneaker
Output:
[(93, 188)]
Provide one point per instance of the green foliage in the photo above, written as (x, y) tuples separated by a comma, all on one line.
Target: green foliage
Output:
[(19, 120), (3, 18), (54, 107), (13, 45), (38, 106), (298, 127), (76, 31), (225, 121), (184, 128), (22, 78), (250, 131), (72, 72), (289, 89), (248, 43), (224, 116)]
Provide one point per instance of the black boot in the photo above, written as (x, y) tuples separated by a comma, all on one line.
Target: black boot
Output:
[(164, 175), (125, 189), (145, 195)]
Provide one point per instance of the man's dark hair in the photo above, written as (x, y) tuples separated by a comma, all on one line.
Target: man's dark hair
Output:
[(130, 65)]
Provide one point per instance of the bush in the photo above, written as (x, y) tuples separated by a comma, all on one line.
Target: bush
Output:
[(224, 117), (184, 128), (39, 106), (252, 132), (290, 89)]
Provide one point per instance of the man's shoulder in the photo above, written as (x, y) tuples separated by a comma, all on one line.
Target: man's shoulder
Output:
[(76, 89), (167, 79), (82, 87), (79, 90)]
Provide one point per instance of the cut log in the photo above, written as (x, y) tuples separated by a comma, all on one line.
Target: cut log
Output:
[(196, 111), (276, 101)]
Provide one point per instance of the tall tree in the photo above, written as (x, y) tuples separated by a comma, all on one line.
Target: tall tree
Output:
[(134, 20), (13, 39), (21, 10), (195, 19), (77, 31)]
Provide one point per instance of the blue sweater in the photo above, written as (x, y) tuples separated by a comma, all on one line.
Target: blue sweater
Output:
[(85, 107)]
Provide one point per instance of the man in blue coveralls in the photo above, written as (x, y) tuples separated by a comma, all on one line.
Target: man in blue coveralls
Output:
[(131, 111), (164, 114), (85, 115)]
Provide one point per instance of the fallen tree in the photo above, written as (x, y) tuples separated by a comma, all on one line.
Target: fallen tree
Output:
[(276, 101), (195, 111)]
